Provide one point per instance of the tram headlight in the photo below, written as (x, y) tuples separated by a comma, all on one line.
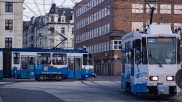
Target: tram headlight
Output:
[(170, 78), (154, 78)]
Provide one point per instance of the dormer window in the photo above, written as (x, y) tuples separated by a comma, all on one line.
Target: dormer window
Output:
[(62, 19), (59, 19), (52, 19)]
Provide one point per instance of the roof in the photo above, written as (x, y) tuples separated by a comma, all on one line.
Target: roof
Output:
[(67, 12), (117, 33), (159, 29)]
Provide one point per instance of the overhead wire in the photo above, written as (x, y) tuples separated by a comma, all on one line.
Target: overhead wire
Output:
[(31, 10), (37, 7)]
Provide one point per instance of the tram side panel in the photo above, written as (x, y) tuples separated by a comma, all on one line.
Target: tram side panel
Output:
[(7, 63), (80, 65), (23, 64), (51, 66)]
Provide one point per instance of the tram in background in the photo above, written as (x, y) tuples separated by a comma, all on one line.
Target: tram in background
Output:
[(46, 64), (150, 61)]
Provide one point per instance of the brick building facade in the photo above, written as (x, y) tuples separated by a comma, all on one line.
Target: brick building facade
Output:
[(100, 24)]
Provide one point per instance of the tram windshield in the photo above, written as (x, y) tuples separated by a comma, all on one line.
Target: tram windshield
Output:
[(162, 50), (87, 59)]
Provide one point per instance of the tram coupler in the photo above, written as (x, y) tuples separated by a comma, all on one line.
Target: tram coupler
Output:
[(94, 75)]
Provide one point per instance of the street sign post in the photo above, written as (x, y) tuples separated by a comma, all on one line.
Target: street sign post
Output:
[(115, 61)]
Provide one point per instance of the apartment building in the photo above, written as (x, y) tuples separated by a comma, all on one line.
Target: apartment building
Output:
[(11, 26), (100, 24), (45, 31)]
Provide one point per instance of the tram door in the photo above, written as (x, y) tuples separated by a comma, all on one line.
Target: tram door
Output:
[(27, 66), (74, 67)]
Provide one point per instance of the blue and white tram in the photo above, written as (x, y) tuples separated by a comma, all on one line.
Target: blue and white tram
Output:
[(150, 61), (43, 64)]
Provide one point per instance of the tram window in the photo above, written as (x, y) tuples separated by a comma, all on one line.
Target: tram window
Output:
[(70, 63), (87, 59), (16, 58), (32, 60), (59, 59), (144, 51), (138, 51), (43, 58)]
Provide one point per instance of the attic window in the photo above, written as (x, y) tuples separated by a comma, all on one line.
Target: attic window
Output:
[(63, 19), (59, 19), (52, 19), (71, 17)]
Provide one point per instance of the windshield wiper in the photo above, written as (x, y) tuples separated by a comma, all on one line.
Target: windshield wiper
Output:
[(153, 58)]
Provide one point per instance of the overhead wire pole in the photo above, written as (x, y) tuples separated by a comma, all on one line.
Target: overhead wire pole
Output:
[(31, 10), (73, 2), (44, 6), (151, 8), (52, 2), (63, 2), (37, 7), (26, 16)]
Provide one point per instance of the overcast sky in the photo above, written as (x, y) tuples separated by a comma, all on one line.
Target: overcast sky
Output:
[(31, 9)]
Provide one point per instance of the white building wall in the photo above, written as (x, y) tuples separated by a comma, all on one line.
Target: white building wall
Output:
[(57, 38), (17, 17)]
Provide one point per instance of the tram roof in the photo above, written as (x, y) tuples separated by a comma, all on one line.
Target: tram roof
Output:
[(152, 30), (46, 50), (159, 29)]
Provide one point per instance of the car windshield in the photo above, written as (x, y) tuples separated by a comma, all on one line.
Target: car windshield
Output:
[(162, 50)]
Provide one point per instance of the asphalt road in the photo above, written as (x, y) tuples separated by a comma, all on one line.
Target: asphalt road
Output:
[(101, 89)]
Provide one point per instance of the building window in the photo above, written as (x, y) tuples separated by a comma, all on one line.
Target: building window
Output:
[(8, 7), (165, 23), (59, 19), (148, 8), (8, 24), (137, 8), (8, 42), (117, 45), (52, 19), (177, 9), (177, 26), (165, 9), (62, 30), (138, 26), (72, 30), (62, 19)]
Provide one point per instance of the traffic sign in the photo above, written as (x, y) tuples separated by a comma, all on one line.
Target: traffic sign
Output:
[(115, 61), (116, 56), (179, 78)]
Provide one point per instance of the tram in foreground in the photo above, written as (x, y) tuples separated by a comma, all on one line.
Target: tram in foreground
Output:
[(45, 64), (150, 61)]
